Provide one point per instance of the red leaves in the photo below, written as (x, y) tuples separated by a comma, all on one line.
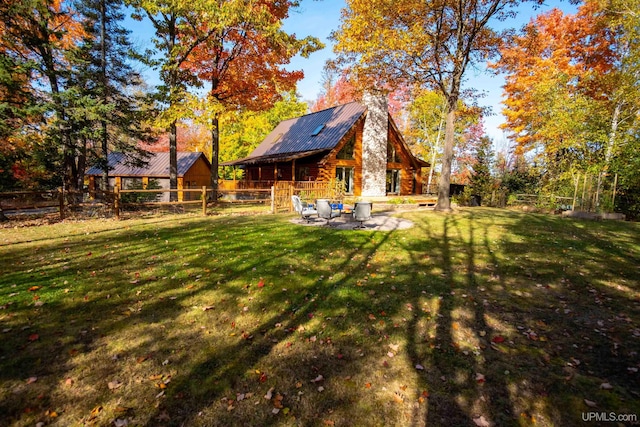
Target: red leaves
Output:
[(498, 339), (33, 337)]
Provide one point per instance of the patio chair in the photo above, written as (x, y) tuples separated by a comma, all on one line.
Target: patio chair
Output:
[(303, 208), (362, 213), (326, 211)]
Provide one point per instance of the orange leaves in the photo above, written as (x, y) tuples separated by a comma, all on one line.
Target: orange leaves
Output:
[(556, 65)]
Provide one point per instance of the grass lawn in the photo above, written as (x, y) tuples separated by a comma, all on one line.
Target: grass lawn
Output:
[(481, 317)]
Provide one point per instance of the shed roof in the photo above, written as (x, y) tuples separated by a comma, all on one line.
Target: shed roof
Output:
[(157, 165), (304, 135)]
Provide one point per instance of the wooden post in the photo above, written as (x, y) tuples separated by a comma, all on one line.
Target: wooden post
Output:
[(291, 188), (273, 199), (180, 187), (116, 201), (204, 200), (61, 200), (92, 187), (293, 170)]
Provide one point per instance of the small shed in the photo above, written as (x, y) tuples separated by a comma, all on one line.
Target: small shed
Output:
[(356, 143), (194, 171)]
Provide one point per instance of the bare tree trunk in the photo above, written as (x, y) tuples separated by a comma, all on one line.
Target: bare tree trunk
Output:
[(444, 202), (215, 153), (173, 160), (436, 144)]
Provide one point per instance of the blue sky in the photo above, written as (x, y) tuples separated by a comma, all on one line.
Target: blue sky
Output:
[(319, 18)]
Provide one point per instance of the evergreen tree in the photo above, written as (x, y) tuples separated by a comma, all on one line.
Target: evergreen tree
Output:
[(481, 178), (110, 79)]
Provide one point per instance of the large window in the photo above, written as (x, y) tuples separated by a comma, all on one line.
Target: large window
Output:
[(393, 181), (392, 154), (347, 151), (345, 175)]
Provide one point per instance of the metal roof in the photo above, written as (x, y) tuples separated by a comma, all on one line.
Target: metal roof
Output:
[(157, 165), (297, 135)]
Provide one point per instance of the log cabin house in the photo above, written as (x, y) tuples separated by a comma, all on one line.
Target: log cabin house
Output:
[(357, 143), (194, 171)]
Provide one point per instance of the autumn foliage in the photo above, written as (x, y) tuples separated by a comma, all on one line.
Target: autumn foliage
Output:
[(557, 59)]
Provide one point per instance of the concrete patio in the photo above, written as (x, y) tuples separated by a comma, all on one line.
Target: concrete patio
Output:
[(380, 221)]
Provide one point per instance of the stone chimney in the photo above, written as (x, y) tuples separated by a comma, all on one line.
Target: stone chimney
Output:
[(374, 145)]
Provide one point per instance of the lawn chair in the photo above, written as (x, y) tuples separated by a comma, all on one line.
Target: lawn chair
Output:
[(326, 211), (303, 209), (362, 213)]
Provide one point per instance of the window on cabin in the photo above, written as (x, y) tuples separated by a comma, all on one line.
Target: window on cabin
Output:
[(345, 175), (392, 154), (317, 130), (346, 153), (303, 173), (393, 181)]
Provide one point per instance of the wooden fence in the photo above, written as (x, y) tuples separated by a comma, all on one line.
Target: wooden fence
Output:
[(113, 203), (307, 190)]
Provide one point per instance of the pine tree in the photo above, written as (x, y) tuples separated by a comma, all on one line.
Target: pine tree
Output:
[(481, 178), (110, 79)]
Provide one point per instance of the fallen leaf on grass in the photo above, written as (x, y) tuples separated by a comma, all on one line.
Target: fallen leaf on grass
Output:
[(114, 385), (479, 378), (34, 288), (317, 379), (277, 401), (207, 308), (420, 367), (141, 359), (120, 422), (32, 380), (94, 413), (367, 385), (269, 394), (320, 389), (33, 337), (481, 422), (590, 403), (606, 386), (497, 339), (394, 347), (261, 283)]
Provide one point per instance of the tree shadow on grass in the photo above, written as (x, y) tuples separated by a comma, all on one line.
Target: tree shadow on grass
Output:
[(334, 304)]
